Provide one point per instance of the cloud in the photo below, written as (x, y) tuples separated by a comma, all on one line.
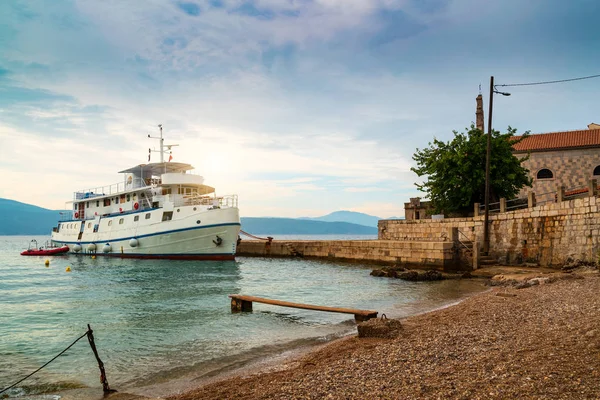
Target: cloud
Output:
[(300, 107)]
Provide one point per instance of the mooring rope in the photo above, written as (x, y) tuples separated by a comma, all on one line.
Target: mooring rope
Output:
[(59, 354), (252, 236)]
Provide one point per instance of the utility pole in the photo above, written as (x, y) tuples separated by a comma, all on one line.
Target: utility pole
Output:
[(486, 229)]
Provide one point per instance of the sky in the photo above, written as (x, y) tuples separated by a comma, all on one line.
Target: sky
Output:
[(300, 107)]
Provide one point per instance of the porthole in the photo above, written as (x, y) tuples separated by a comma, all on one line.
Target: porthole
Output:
[(198, 222), (194, 209), (178, 210)]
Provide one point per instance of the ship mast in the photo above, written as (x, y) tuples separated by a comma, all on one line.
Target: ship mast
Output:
[(162, 150)]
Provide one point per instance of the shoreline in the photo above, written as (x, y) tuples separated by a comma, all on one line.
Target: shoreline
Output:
[(470, 349)]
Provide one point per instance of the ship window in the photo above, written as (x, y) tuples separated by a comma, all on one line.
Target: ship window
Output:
[(97, 203), (167, 216), (89, 224), (148, 215), (87, 204), (134, 195), (136, 218), (121, 221), (110, 223), (75, 206), (128, 197), (143, 195), (545, 173)]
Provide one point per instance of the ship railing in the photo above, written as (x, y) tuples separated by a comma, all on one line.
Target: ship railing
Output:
[(226, 201), (116, 188)]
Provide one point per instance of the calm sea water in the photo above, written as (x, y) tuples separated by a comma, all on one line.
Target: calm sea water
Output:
[(157, 321)]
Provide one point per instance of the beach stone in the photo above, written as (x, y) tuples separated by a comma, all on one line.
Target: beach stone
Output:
[(432, 275), (377, 272), (379, 328)]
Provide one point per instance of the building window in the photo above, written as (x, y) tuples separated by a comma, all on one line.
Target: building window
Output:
[(136, 218), (545, 173), (148, 215), (597, 170)]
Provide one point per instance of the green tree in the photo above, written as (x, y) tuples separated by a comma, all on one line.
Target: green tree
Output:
[(455, 170)]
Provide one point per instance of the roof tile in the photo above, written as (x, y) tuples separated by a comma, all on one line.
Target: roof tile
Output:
[(559, 140)]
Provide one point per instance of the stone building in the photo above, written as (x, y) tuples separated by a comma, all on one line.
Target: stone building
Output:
[(417, 209), (568, 159)]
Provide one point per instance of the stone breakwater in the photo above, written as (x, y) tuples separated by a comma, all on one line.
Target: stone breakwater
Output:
[(548, 235), (436, 253)]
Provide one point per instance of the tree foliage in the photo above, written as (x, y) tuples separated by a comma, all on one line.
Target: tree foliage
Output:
[(455, 170)]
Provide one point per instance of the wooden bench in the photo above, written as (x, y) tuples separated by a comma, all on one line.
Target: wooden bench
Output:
[(243, 303)]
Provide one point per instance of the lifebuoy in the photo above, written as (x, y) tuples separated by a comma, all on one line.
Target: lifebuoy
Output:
[(136, 206), (120, 210), (76, 215)]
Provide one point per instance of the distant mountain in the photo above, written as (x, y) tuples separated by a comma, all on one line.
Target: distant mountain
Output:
[(25, 219), (291, 226), (347, 216)]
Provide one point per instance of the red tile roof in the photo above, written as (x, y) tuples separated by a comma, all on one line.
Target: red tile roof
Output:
[(559, 140)]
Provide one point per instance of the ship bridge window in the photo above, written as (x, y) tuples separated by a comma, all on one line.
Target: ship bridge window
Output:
[(75, 206), (97, 203), (128, 197), (167, 215), (166, 191)]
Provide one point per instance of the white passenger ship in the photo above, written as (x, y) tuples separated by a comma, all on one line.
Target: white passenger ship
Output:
[(160, 210)]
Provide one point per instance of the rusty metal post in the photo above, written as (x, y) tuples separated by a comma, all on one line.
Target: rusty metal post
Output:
[(103, 380)]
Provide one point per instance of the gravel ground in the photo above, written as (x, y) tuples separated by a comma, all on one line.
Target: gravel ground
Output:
[(540, 342)]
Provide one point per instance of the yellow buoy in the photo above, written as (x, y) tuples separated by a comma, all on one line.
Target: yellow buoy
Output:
[(47, 262), (93, 257), (68, 269)]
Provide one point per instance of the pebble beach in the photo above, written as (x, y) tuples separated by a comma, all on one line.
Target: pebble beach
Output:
[(539, 341)]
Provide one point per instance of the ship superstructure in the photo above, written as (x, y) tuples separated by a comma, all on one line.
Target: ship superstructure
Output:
[(160, 210)]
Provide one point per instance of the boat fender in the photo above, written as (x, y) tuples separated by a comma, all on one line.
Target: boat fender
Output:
[(76, 215), (218, 242), (47, 262), (68, 269), (133, 242), (77, 248), (91, 247), (136, 206), (107, 248)]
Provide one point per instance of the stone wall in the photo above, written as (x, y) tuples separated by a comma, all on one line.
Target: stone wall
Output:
[(431, 253), (549, 235), (571, 168)]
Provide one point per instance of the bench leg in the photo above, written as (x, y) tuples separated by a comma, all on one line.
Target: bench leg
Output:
[(240, 306)]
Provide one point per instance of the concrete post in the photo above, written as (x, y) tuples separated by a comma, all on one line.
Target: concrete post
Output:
[(593, 188), (476, 252), (560, 194), (530, 199), (502, 205), (476, 210)]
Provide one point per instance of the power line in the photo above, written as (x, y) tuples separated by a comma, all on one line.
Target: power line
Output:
[(549, 82)]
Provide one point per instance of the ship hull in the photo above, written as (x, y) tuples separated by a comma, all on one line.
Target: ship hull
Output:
[(204, 235)]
